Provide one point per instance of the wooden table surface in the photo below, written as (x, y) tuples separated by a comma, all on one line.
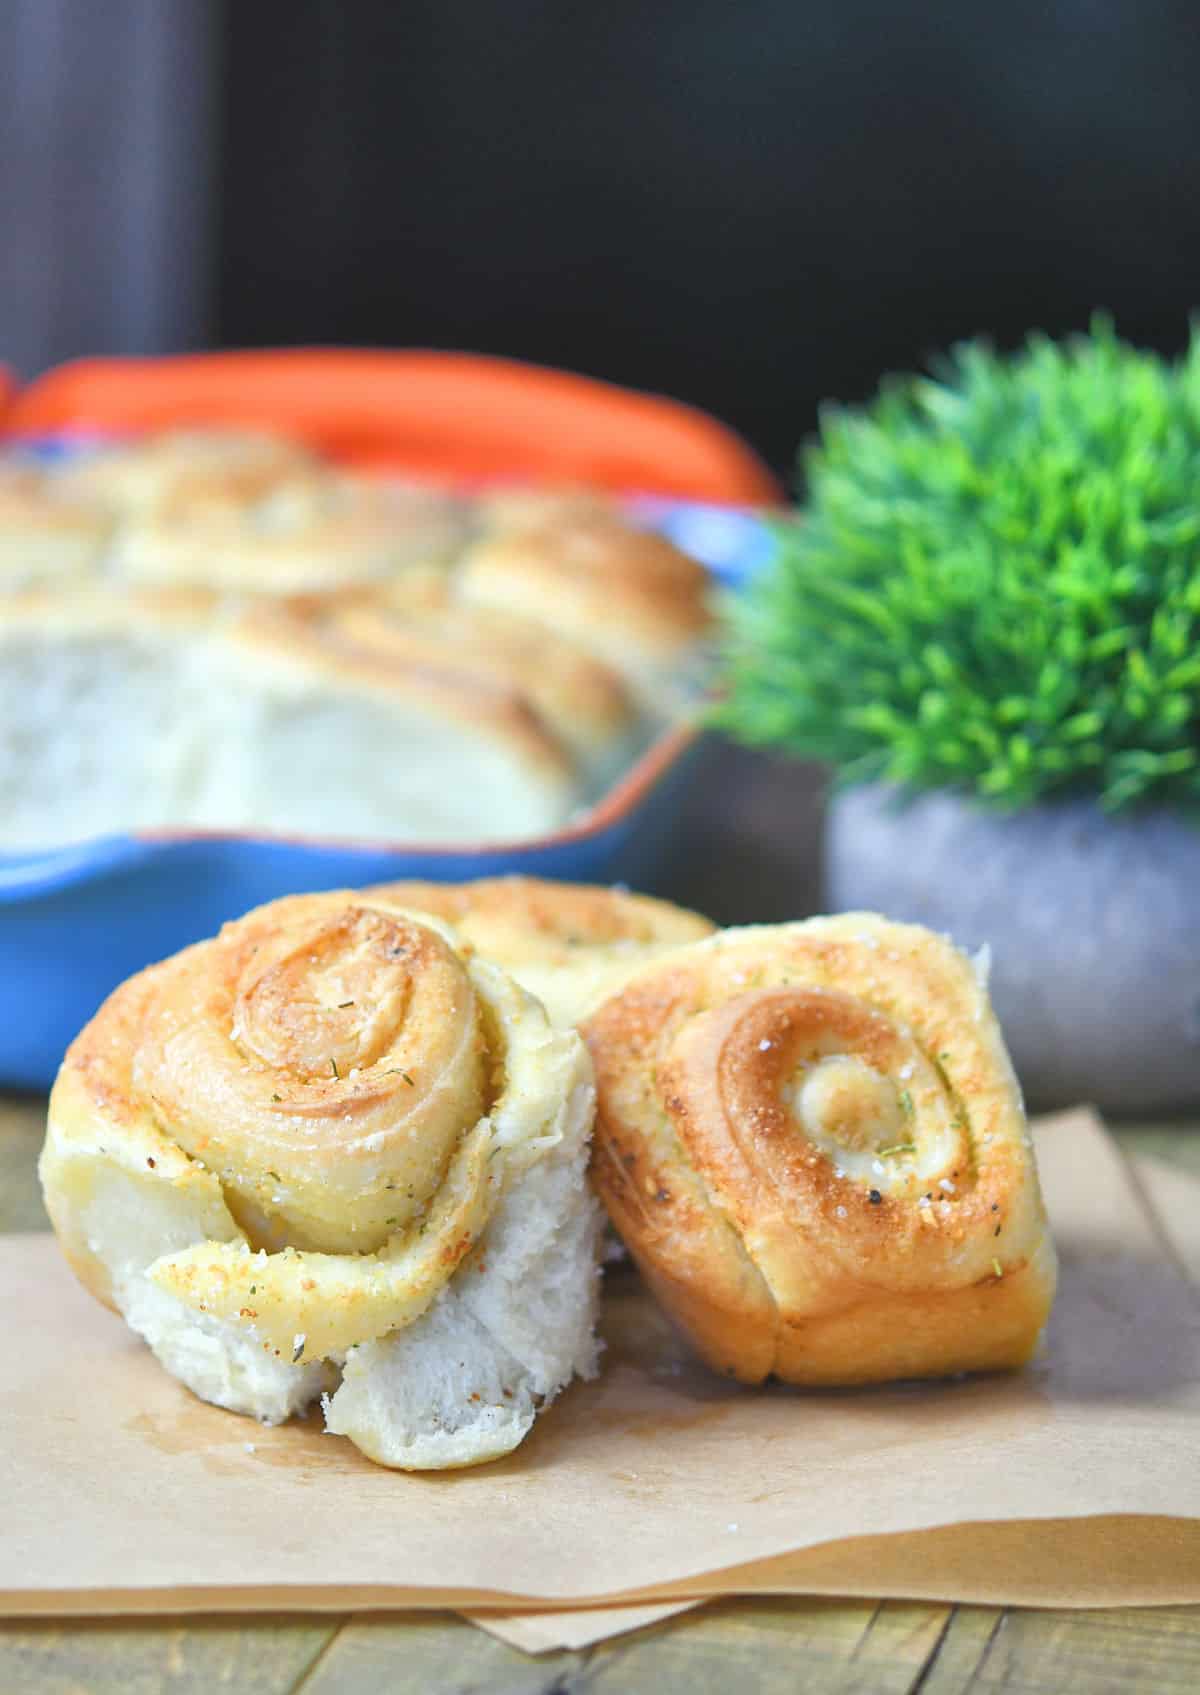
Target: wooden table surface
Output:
[(752, 854)]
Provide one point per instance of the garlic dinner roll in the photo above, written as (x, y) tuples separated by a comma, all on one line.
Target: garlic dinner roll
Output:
[(330, 1151), (455, 752), (812, 1142), (627, 595), (419, 627), (570, 944), (162, 707)]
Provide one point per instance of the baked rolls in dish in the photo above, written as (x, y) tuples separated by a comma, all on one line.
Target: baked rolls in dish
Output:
[(427, 751), (331, 1153), (161, 709), (132, 477), (418, 628), (367, 659), (811, 1140), (627, 595), (104, 711), (46, 535), (253, 513), (570, 944), (272, 532)]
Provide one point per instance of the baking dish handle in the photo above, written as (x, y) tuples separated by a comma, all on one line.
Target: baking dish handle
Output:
[(460, 416)]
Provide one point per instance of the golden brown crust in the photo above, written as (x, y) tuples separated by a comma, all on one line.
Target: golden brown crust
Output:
[(417, 623), (45, 535), (313, 1053), (85, 609), (266, 528), (297, 632), (811, 1139), (625, 593), (520, 507), (331, 1095), (135, 477), (568, 943)]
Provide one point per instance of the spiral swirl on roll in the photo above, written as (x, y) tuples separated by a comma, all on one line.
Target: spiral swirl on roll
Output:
[(318, 1110), (811, 1139)]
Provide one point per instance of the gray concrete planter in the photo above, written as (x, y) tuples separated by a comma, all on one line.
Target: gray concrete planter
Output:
[(1094, 925)]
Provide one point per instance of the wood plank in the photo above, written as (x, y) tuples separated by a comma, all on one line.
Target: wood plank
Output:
[(433, 1652), (761, 1647), (1122, 1652), (161, 1656)]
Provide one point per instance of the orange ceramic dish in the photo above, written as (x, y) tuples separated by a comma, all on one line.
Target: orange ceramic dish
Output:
[(462, 417)]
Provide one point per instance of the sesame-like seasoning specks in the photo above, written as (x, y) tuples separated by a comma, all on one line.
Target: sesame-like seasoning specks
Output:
[(997, 1268), (874, 1197), (297, 1346), (947, 1185), (839, 1212)]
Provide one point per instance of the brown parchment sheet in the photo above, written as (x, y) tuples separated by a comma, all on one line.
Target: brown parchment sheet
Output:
[(1074, 1483)]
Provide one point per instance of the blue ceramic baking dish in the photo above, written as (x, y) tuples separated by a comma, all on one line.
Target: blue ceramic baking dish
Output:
[(76, 921)]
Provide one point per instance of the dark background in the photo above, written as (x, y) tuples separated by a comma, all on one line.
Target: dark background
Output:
[(752, 204)]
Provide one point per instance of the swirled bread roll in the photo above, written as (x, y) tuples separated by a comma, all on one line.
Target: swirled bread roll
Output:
[(439, 752), (627, 595), (570, 944), (419, 629), (331, 1152), (46, 535), (812, 1142)]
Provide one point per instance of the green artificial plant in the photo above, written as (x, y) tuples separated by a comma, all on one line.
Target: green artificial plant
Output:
[(993, 584)]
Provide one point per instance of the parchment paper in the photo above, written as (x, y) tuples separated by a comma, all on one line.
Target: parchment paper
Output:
[(1074, 1483)]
